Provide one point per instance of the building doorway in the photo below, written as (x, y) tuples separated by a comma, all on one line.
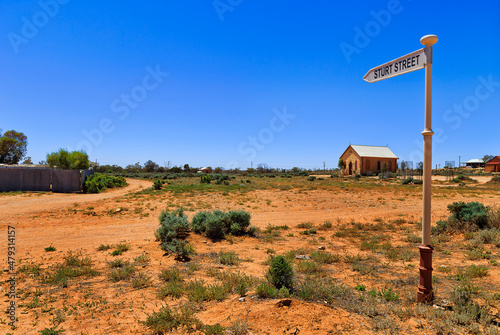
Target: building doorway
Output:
[(350, 168)]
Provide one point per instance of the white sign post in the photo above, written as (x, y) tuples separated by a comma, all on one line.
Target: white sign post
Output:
[(416, 60)]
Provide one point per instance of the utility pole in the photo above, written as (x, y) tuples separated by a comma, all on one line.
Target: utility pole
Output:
[(458, 161)]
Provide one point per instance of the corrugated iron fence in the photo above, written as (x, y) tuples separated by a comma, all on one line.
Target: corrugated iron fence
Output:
[(16, 178)]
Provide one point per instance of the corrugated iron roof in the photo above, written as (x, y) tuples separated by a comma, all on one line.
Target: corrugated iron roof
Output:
[(373, 151)]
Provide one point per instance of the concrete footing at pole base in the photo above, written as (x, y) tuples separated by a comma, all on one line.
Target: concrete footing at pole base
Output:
[(424, 291)]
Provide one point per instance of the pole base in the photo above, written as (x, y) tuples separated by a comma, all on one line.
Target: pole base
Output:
[(424, 290)]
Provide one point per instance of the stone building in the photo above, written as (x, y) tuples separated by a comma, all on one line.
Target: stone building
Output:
[(368, 159)]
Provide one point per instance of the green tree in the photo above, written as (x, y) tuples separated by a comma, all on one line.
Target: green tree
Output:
[(13, 147), (150, 166), (341, 164), (487, 158), (28, 160), (280, 273), (62, 159)]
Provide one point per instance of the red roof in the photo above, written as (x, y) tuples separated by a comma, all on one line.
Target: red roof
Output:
[(494, 161)]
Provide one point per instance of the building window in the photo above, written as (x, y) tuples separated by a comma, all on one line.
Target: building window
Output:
[(368, 165), (378, 165), (356, 165), (390, 166)]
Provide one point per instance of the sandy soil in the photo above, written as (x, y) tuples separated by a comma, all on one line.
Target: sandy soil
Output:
[(80, 223)]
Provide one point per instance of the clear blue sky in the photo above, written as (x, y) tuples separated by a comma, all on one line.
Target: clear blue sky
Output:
[(225, 83)]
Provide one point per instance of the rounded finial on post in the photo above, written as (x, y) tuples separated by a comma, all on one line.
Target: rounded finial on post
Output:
[(429, 40)]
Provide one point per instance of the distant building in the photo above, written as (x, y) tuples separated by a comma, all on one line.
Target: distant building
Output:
[(368, 159), (493, 165), (205, 170), (474, 163)]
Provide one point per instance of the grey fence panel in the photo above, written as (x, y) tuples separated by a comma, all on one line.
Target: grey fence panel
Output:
[(66, 181), (11, 179), (36, 180)]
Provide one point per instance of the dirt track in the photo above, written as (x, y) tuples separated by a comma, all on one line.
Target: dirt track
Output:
[(33, 202)]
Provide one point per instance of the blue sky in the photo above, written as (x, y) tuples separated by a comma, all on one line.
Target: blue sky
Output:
[(231, 82)]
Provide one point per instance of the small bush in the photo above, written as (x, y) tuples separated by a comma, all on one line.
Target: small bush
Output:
[(264, 290), (280, 273), (325, 257), (170, 275), (120, 249), (118, 263), (174, 228), (103, 247), (311, 178), (215, 329), (143, 259), (205, 179), (305, 225), (74, 265), (141, 281), (465, 217), (165, 320), (418, 181), (122, 273), (476, 271), (325, 226), (50, 248), (174, 289), (407, 181), (467, 310), (320, 290), (157, 185), (228, 258), (217, 224), (238, 327), (99, 182), (51, 331)]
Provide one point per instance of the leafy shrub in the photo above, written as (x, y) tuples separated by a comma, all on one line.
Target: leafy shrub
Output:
[(418, 181), (465, 217), (217, 224), (157, 184), (169, 275), (467, 309), (495, 180), (324, 257), (51, 331), (141, 281), (228, 258), (165, 320), (320, 290), (205, 179), (311, 178), (174, 228), (50, 248), (99, 182), (407, 181), (74, 265), (280, 273), (122, 273), (264, 290), (215, 329)]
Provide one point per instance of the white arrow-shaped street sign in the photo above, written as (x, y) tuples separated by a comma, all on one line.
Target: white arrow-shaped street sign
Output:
[(408, 63)]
